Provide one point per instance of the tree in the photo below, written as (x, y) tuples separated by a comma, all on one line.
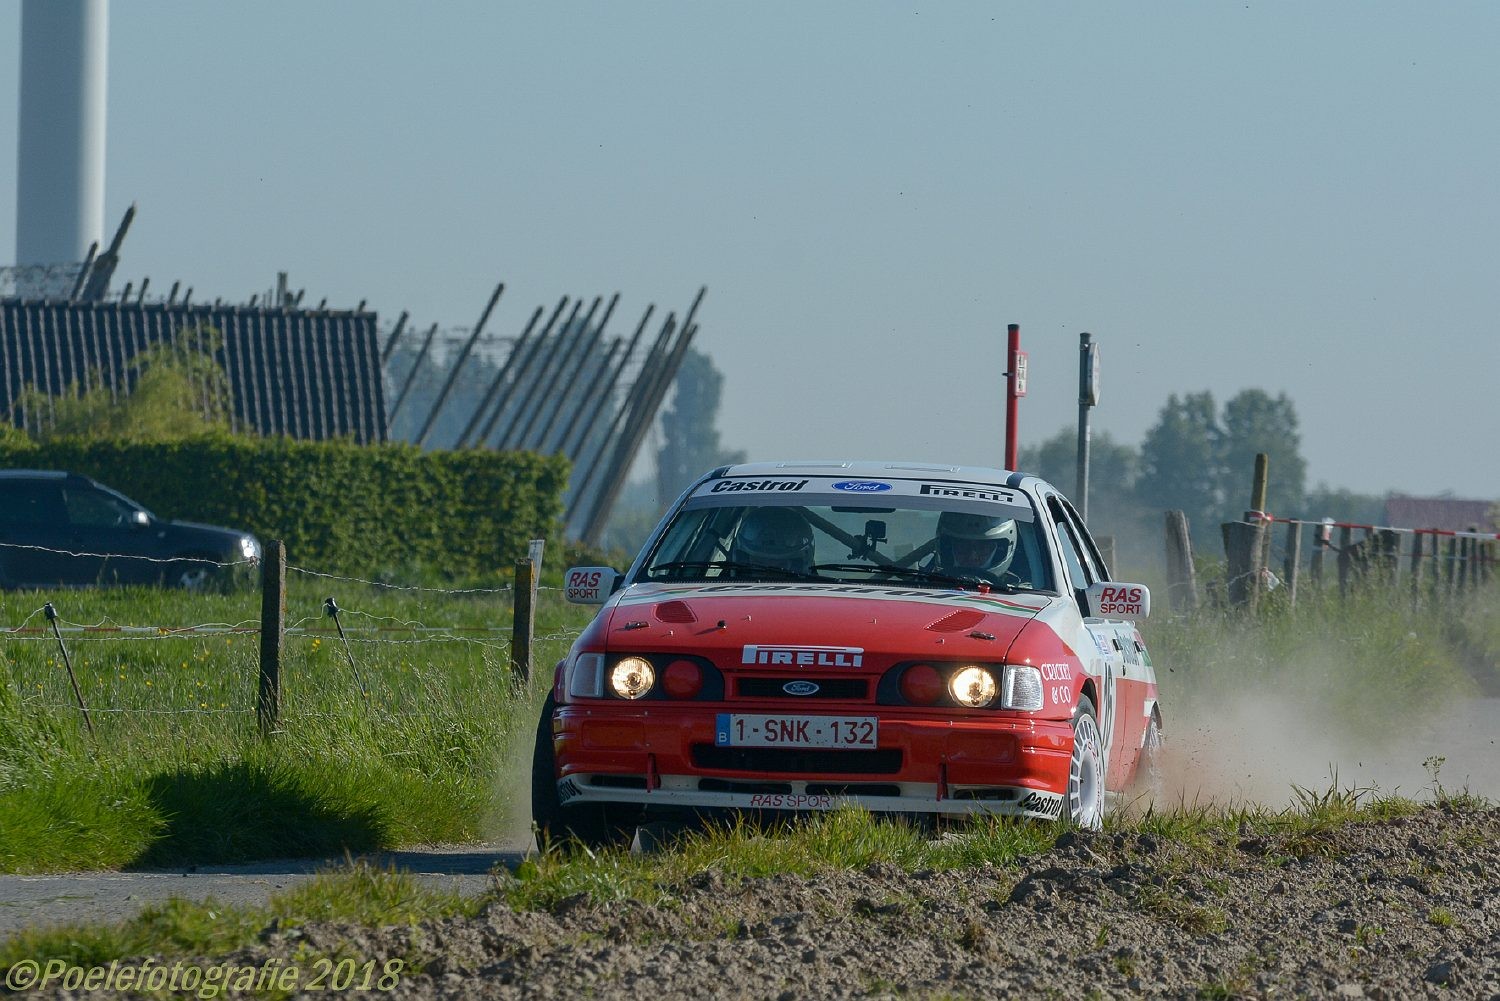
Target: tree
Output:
[(1181, 466), (1112, 465), (179, 391), (689, 428), (1254, 422)]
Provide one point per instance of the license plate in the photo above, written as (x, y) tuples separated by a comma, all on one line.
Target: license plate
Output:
[(741, 730)]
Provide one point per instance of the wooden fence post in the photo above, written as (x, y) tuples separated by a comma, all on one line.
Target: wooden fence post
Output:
[(523, 622), (1182, 582), (1242, 550), (1388, 545), (1106, 544), (1416, 567), (272, 631), (1293, 557), (1346, 559), (1452, 575)]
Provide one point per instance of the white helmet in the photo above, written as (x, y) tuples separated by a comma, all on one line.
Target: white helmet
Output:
[(975, 542), (775, 536)]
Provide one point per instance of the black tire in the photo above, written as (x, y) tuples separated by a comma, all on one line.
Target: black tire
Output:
[(1148, 782), (195, 572), (589, 823), (1084, 804)]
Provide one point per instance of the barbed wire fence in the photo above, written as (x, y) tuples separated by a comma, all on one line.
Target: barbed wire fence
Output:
[(357, 631)]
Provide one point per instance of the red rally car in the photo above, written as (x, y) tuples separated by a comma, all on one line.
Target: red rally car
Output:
[(917, 639)]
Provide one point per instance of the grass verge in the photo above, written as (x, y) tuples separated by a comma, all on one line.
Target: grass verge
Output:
[(417, 742)]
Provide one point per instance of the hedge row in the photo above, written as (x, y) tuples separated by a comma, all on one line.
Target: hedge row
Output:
[(386, 511)]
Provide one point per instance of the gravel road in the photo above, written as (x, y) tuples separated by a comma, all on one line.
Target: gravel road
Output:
[(1399, 908)]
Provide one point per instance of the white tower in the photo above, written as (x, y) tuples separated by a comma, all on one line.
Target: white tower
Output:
[(60, 173)]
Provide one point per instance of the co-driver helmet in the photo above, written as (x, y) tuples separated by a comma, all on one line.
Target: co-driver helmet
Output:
[(975, 542)]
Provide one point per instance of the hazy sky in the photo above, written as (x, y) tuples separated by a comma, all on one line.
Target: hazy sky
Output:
[(1298, 197)]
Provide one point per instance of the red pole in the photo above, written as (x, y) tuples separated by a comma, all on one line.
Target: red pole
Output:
[(1011, 397)]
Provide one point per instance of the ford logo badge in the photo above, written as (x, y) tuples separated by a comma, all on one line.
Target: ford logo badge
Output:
[(801, 688), (862, 486)]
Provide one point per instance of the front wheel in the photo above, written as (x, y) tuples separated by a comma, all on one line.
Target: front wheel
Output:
[(1085, 803), (197, 573), (590, 823)]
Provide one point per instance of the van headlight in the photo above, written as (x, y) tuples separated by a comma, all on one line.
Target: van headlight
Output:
[(249, 547)]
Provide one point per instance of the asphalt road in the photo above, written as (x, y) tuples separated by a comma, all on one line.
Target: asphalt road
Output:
[(66, 898)]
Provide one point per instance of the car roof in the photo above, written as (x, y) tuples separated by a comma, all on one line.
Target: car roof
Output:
[(876, 469), (36, 474)]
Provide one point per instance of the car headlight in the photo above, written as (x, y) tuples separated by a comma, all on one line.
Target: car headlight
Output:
[(972, 687), (1023, 688), (249, 547), (632, 677), (585, 674)]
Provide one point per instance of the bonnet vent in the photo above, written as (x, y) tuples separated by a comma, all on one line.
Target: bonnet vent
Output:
[(957, 621), (675, 611)]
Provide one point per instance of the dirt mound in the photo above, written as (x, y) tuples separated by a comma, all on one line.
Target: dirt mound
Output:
[(1403, 907)]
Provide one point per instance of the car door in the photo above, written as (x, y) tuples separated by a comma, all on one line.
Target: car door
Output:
[(106, 527), (34, 528), (1083, 567), (1130, 688)]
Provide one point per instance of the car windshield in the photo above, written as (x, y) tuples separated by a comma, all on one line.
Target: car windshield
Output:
[(823, 536)]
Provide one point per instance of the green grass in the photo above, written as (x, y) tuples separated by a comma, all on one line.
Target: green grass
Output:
[(177, 771)]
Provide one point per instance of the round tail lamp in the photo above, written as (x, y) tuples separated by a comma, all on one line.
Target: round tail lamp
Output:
[(682, 679), (922, 685)]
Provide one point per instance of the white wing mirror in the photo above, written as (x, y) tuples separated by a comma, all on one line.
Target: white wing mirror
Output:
[(590, 585), (1112, 600)]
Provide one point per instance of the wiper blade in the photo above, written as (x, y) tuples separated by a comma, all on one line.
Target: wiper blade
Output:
[(731, 565)]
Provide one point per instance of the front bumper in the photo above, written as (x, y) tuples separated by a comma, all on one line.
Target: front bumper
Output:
[(663, 757)]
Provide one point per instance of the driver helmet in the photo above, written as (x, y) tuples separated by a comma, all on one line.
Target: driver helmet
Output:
[(775, 536), (975, 542)]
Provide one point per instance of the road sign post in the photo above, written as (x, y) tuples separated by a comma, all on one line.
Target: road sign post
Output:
[(1015, 388)]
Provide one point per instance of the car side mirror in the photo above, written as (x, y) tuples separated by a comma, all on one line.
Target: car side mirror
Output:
[(590, 585), (1112, 600), (140, 519)]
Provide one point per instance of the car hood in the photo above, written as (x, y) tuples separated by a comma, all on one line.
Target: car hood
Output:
[(848, 626), (202, 531)]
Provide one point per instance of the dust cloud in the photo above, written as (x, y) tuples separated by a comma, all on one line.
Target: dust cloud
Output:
[(1255, 747)]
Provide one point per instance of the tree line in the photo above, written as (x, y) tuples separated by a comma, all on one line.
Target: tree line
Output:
[(1199, 458)]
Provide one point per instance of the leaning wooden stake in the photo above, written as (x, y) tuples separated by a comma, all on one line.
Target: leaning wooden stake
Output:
[(51, 614), (272, 631)]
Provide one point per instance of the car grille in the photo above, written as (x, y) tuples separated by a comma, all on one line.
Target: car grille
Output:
[(797, 761), (828, 688)]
